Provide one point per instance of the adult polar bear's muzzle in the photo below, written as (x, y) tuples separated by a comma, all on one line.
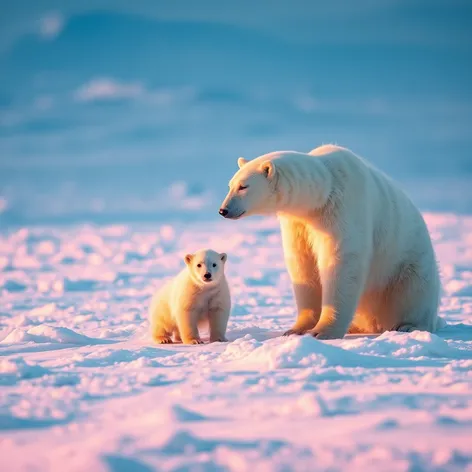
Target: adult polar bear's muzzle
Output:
[(231, 208), (230, 216)]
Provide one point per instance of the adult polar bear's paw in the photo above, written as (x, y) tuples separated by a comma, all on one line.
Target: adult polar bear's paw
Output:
[(193, 341), (163, 339), (326, 334), (298, 332)]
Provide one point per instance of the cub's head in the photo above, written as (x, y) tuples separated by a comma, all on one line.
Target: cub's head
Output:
[(206, 266), (252, 190)]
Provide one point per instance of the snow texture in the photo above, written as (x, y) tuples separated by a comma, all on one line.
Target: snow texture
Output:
[(82, 387)]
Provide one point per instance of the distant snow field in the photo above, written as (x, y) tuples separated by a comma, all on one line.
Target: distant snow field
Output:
[(83, 388)]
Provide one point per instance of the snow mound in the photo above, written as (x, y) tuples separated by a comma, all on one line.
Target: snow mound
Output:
[(176, 413), (13, 286), (12, 422), (14, 370), (107, 357), (298, 352), (47, 334), (404, 345), (184, 415), (43, 310), (83, 285), (182, 442)]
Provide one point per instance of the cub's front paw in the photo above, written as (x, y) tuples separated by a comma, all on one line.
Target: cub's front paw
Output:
[(298, 332), (193, 341), (163, 339)]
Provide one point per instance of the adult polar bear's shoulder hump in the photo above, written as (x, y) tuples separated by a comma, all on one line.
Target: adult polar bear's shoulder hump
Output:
[(357, 249)]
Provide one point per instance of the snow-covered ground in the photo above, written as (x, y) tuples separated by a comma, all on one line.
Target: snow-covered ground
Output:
[(83, 388)]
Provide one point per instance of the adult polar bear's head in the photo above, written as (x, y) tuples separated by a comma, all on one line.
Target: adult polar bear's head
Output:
[(282, 181), (253, 189)]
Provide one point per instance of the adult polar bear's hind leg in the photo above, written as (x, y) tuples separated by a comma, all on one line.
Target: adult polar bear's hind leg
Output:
[(409, 302), (357, 250)]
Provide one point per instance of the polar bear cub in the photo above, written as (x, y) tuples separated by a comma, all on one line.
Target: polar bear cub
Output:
[(198, 295)]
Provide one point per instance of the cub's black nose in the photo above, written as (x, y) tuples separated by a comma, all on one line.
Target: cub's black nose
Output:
[(223, 211), (207, 276)]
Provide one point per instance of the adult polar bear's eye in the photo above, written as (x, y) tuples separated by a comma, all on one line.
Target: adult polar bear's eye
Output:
[(242, 187)]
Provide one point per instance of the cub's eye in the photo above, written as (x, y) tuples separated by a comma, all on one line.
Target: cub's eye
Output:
[(242, 187), (199, 265), (214, 265)]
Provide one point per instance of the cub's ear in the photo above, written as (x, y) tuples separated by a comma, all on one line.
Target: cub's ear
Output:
[(188, 258), (242, 162), (223, 256), (268, 169)]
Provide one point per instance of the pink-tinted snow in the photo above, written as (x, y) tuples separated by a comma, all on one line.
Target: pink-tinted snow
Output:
[(82, 386)]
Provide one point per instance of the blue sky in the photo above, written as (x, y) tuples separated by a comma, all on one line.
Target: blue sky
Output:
[(140, 95)]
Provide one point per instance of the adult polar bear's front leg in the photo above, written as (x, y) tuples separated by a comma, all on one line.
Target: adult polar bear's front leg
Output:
[(303, 272), (343, 278)]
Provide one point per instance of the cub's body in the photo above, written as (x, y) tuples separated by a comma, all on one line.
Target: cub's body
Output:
[(199, 295)]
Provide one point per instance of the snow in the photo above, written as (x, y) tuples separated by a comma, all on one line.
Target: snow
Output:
[(82, 386)]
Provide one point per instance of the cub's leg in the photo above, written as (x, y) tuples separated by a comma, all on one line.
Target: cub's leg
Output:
[(218, 320), (187, 323), (343, 279), (302, 269)]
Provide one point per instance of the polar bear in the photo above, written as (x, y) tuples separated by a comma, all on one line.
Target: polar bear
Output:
[(357, 250), (198, 295)]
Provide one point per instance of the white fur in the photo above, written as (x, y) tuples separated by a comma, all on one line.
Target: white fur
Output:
[(188, 301), (357, 250)]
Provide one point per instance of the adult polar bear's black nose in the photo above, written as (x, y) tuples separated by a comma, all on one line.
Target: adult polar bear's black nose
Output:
[(207, 276), (223, 211)]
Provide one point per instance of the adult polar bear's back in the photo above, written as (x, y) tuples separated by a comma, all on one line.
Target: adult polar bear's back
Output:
[(396, 229), (357, 250)]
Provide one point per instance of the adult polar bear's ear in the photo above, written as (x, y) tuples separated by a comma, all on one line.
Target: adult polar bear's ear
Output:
[(242, 162), (188, 258), (223, 257), (268, 168)]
